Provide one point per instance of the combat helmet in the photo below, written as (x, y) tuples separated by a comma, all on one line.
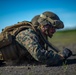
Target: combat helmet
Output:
[(48, 18), (34, 21)]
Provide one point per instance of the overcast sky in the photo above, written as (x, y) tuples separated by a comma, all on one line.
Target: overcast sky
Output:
[(13, 11)]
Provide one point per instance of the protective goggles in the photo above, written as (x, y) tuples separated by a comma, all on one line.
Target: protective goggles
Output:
[(58, 24)]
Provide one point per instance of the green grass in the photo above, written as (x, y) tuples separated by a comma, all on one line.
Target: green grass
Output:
[(64, 37)]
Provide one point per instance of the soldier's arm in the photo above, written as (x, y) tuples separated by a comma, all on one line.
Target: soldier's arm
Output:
[(30, 41)]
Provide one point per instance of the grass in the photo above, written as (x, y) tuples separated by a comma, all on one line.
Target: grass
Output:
[(65, 66), (64, 37)]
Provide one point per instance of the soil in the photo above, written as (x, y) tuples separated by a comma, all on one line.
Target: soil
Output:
[(36, 68)]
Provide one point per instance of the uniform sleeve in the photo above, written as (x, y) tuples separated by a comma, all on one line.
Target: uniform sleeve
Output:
[(30, 41)]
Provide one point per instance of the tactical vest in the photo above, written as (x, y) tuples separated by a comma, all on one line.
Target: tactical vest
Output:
[(9, 48)]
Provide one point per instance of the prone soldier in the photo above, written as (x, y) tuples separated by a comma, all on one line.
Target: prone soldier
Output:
[(31, 40)]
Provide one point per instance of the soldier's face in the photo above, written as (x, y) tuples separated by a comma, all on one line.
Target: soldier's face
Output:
[(51, 31), (48, 30)]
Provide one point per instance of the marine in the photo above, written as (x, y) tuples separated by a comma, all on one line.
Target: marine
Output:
[(34, 43)]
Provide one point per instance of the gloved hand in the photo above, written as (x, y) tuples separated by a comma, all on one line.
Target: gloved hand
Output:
[(66, 53)]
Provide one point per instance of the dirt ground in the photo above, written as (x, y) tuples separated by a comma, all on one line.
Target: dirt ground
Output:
[(41, 69)]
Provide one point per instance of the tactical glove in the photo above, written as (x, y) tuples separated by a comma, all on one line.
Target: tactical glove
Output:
[(67, 53)]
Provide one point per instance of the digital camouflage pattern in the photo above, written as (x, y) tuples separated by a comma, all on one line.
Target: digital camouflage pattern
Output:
[(31, 41)]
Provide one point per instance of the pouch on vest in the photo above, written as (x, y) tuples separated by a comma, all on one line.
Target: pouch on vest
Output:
[(7, 47)]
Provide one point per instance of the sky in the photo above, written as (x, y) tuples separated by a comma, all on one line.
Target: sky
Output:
[(13, 11)]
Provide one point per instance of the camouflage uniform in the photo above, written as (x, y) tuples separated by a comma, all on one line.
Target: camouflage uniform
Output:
[(31, 41)]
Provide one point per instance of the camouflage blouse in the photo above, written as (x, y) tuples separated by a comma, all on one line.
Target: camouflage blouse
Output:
[(31, 41)]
